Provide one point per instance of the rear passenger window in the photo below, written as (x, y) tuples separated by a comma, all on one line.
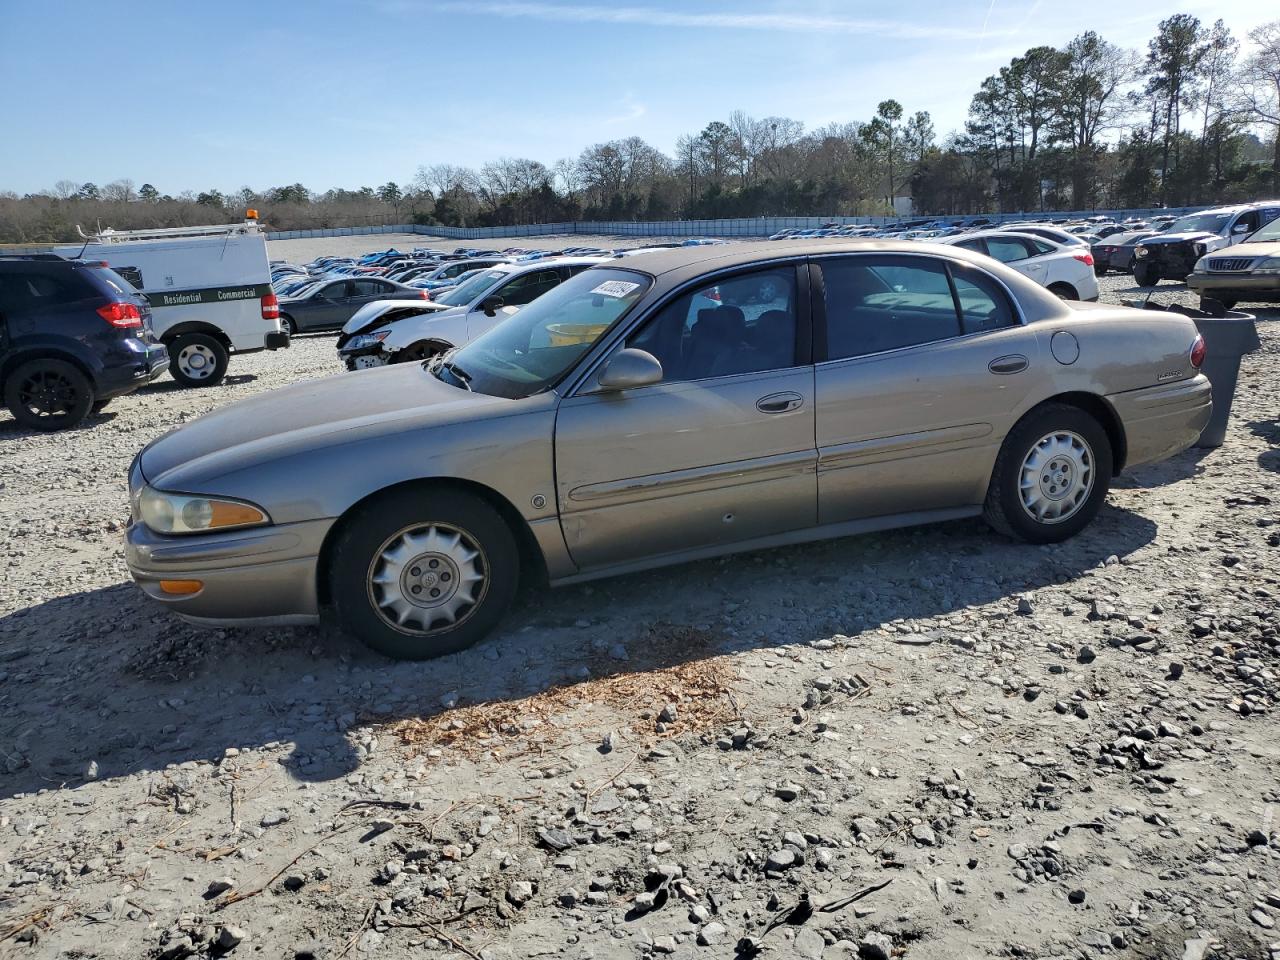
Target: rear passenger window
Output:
[(878, 303), (1007, 249), (31, 290), (983, 305)]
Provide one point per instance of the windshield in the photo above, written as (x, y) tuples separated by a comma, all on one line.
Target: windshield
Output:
[(1269, 233), (1199, 222), (466, 292), (533, 349)]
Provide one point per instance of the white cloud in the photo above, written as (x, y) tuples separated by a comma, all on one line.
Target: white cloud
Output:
[(644, 16)]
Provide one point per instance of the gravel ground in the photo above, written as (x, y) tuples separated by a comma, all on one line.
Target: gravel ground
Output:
[(927, 743)]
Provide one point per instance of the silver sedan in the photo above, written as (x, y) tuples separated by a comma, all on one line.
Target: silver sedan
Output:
[(685, 404)]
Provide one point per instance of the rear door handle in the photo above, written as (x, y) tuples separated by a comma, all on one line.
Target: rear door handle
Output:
[(779, 402), (1014, 363)]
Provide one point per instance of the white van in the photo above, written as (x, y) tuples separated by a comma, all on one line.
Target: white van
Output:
[(209, 289)]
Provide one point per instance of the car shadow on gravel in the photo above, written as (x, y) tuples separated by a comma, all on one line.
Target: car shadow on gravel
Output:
[(167, 386), (104, 684)]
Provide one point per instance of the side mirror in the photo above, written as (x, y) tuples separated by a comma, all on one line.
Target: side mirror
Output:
[(630, 368), (491, 305), (1240, 228)]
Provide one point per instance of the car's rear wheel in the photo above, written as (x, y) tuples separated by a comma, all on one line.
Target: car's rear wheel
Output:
[(1051, 477), (419, 572), (287, 325), (1064, 291), (99, 405), (1099, 268), (48, 394), (198, 360), (1145, 274)]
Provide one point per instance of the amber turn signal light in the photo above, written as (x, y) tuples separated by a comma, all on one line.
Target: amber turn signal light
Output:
[(180, 588)]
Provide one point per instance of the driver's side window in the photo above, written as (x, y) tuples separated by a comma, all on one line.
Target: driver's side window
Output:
[(742, 324)]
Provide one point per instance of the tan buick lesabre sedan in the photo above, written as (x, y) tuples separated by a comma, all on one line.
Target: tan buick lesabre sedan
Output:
[(676, 405)]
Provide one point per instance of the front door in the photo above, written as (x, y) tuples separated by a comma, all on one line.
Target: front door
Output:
[(926, 366), (514, 293), (721, 451)]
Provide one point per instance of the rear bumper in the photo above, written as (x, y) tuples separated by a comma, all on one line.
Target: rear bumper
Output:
[(118, 380), (1163, 420), (264, 575), (1237, 286)]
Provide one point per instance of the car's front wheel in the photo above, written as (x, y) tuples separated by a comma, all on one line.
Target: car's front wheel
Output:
[(420, 572), (198, 360), (1145, 274), (1051, 477), (287, 325), (48, 394)]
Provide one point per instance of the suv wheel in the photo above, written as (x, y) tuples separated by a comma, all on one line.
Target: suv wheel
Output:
[(48, 394), (419, 573), (1051, 476), (197, 360)]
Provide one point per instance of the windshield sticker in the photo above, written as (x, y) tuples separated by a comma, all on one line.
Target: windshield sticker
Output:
[(615, 288)]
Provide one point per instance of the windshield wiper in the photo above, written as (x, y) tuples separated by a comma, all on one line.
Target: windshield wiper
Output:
[(455, 371)]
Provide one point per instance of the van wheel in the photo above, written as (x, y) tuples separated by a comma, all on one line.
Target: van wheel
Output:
[(418, 573), (1051, 477), (197, 360), (48, 394)]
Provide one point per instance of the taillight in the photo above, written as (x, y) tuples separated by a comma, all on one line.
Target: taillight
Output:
[(1085, 258), (270, 307), (426, 294), (122, 315), (1197, 351)]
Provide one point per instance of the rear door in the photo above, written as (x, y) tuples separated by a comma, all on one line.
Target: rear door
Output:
[(922, 363), (1017, 253)]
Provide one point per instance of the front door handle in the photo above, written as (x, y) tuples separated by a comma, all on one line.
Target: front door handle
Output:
[(1014, 363), (779, 402)]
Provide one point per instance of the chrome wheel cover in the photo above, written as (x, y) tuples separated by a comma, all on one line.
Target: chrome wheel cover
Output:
[(1056, 477), (197, 361), (427, 578)]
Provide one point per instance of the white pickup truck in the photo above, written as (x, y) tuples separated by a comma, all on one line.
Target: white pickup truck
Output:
[(209, 289)]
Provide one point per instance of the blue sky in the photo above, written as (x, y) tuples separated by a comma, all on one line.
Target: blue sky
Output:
[(261, 93)]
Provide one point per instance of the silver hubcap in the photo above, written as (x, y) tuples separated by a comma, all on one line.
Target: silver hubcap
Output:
[(196, 361), (427, 578), (1056, 477)]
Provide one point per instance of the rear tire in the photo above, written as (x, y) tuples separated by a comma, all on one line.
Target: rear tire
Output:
[(48, 394), (1064, 291), (197, 360), (419, 573), (100, 405), (288, 326), (1145, 275), (1051, 477), (1099, 269)]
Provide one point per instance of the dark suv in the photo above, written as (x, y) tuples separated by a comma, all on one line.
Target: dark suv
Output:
[(73, 334)]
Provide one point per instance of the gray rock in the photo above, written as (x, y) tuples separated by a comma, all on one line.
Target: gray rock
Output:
[(221, 885), (809, 944), (923, 833), (664, 944), (230, 937), (780, 860), (668, 714), (556, 839), (1261, 918), (875, 946), (520, 893), (712, 934), (275, 818)]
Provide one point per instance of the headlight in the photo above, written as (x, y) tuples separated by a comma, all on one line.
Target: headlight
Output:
[(180, 513), (367, 340), (1202, 266), (1140, 252), (1269, 265)]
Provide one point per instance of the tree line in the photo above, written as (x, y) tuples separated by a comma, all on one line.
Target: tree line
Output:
[(1193, 119)]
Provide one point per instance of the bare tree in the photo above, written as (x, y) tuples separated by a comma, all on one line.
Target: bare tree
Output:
[(1259, 86), (120, 191)]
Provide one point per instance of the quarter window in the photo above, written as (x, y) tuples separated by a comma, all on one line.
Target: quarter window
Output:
[(743, 324), (1007, 249), (983, 305)]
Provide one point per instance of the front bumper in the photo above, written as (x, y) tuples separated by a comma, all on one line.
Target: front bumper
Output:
[(259, 575), (364, 357), (1165, 419), (1238, 286)]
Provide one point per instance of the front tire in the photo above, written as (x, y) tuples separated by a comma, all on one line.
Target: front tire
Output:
[(48, 394), (419, 573), (198, 360), (1051, 477), (417, 352), (1145, 274)]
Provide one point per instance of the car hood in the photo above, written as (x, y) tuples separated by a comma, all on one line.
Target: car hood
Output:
[(337, 410), (369, 316), (1180, 237), (1263, 248)]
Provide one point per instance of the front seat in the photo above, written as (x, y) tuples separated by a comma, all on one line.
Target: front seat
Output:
[(715, 340)]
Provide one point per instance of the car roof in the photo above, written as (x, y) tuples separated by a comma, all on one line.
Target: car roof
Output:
[(1021, 235), (544, 262)]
